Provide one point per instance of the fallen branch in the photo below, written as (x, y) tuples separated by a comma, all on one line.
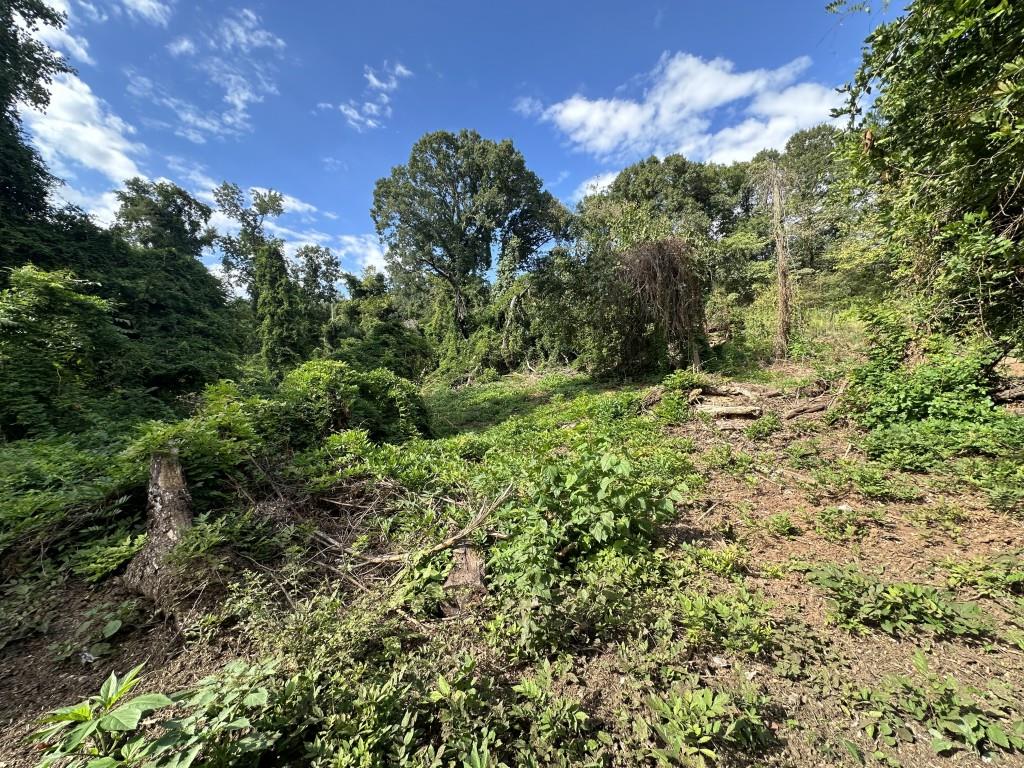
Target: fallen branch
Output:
[(398, 557), (814, 407), (737, 411)]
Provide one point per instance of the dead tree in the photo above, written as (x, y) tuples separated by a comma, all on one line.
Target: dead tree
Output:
[(666, 277), (169, 511), (784, 321)]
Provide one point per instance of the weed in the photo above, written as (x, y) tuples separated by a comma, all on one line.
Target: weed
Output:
[(871, 481), (861, 602), (764, 427), (694, 725), (781, 524), (93, 637), (804, 454), (1002, 575), (844, 523), (943, 516), (954, 717)]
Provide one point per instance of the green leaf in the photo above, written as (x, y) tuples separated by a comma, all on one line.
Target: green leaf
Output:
[(257, 698), (111, 627), (997, 736)]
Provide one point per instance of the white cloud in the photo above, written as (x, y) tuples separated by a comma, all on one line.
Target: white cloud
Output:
[(528, 106), (202, 183), (152, 11), (676, 111), (78, 130), (593, 185), (386, 78), (364, 250), (181, 46), (102, 207), (357, 119), (242, 78), (375, 107), (242, 32), (62, 40)]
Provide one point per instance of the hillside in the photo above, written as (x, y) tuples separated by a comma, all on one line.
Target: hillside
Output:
[(716, 461)]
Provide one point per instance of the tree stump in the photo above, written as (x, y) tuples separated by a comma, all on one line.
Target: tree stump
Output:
[(465, 583), (169, 512)]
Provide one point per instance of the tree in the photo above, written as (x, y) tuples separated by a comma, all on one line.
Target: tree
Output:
[(239, 251), (937, 101), (315, 273), (59, 349), (367, 331), (159, 214), (278, 316), (458, 198), (771, 182), (27, 66)]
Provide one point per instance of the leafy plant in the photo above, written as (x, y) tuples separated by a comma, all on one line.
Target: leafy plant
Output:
[(102, 726), (764, 427), (694, 726), (954, 717), (862, 602), (844, 523)]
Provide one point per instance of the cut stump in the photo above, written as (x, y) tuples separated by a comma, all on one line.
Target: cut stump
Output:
[(169, 512)]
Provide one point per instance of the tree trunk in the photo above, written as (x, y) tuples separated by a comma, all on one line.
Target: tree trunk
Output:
[(169, 516), (461, 313), (784, 320)]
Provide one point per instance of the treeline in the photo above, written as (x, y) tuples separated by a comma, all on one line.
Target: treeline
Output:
[(677, 264)]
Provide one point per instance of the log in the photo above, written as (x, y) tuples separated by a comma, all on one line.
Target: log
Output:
[(735, 411), (169, 512)]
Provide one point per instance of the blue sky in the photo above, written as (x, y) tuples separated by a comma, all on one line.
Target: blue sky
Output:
[(319, 99)]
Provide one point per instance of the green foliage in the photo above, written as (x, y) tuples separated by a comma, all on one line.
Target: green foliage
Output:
[(781, 524), (498, 201), (861, 602), (584, 516), (869, 480), (367, 331), (844, 523), (764, 427), (58, 348), (956, 717), (695, 725), (104, 554), (942, 152), (94, 636), (1001, 575)]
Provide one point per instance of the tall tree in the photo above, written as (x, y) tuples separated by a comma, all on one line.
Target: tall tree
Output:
[(771, 181), (27, 66), (316, 273), (277, 310), (159, 214), (458, 199), (239, 251)]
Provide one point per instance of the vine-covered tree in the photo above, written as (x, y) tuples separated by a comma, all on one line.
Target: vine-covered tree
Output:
[(162, 215), (943, 141), (239, 251), (27, 66)]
